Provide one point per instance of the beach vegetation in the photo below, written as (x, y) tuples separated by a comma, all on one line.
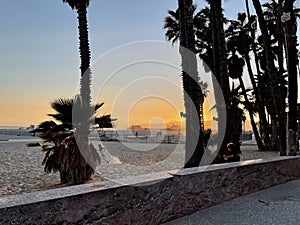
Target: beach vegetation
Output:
[(66, 156), (60, 145)]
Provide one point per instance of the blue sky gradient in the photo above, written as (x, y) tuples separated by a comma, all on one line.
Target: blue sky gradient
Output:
[(39, 58)]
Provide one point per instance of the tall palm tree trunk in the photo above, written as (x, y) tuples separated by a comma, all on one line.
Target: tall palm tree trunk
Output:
[(80, 154), (259, 102), (83, 151), (278, 100), (219, 18), (192, 92), (280, 39), (85, 55), (292, 62), (220, 72), (275, 134), (260, 145)]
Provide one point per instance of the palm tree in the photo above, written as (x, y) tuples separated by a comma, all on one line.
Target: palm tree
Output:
[(263, 123), (78, 169), (268, 86), (273, 17), (239, 41), (203, 34), (252, 27), (64, 156), (237, 114), (202, 48), (236, 65), (104, 121), (193, 96), (81, 7), (277, 97), (220, 71), (202, 31), (292, 62), (272, 14), (85, 91)]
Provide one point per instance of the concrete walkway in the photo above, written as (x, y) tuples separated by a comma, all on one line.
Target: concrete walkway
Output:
[(278, 205)]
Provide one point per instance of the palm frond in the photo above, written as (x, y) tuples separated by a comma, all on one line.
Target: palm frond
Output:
[(104, 121), (174, 14), (98, 106), (62, 105)]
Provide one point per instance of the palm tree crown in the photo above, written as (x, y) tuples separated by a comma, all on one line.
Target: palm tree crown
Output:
[(75, 4)]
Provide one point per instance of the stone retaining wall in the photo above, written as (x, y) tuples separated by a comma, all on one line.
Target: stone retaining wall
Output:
[(148, 199)]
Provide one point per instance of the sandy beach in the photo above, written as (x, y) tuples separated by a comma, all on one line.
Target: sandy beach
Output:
[(21, 170)]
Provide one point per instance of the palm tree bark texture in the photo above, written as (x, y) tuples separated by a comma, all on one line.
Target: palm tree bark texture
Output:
[(220, 71), (85, 92), (83, 110), (292, 62), (192, 92)]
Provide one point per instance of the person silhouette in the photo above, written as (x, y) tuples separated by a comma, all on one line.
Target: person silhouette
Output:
[(232, 153)]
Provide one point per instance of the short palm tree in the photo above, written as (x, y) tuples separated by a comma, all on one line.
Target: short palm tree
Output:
[(104, 121), (61, 151), (67, 154)]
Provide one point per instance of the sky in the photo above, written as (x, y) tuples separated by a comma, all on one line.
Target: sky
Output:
[(39, 59)]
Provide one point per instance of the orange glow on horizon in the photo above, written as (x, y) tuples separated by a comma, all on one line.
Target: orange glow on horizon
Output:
[(154, 112)]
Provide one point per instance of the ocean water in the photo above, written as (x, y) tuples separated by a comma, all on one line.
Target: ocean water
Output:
[(16, 133), (11, 127)]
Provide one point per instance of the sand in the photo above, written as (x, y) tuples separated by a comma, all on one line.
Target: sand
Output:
[(21, 170)]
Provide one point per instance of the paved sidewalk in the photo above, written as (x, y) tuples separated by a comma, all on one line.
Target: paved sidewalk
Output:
[(278, 205)]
